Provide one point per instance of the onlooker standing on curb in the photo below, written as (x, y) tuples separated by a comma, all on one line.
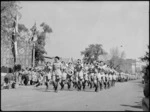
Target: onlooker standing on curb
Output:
[(145, 101)]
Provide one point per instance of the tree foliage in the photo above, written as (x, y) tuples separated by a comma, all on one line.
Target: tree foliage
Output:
[(146, 68), (93, 52), (117, 59), (46, 28), (40, 42), (22, 27), (9, 10), (146, 57)]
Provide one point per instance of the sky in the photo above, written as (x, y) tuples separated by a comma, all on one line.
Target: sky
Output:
[(77, 24)]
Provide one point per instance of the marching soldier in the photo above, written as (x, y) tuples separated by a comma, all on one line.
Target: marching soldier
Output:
[(63, 75), (25, 77), (70, 72), (57, 67), (95, 79), (103, 79), (47, 77), (107, 79), (79, 74), (110, 78), (113, 78), (30, 76), (100, 79), (85, 73), (90, 75)]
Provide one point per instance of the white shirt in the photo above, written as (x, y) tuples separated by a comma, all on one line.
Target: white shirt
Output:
[(64, 75), (114, 77), (99, 76), (110, 77), (86, 76), (106, 76), (34, 77), (40, 78), (30, 75), (49, 74), (81, 74), (103, 75), (56, 68)]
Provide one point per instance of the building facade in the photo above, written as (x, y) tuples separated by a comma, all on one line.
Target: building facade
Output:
[(24, 57)]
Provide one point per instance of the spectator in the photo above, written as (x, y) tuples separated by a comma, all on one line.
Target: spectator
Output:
[(145, 101)]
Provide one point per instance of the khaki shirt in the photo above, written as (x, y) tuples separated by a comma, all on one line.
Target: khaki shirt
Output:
[(57, 69)]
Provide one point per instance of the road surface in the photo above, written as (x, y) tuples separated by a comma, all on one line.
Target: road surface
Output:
[(124, 96)]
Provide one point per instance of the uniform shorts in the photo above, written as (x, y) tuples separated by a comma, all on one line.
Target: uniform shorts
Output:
[(69, 77), (63, 76), (55, 77)]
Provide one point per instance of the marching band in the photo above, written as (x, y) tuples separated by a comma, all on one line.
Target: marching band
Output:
[(79, 75)]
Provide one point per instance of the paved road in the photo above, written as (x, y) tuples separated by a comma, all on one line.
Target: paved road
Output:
[(125, 96)]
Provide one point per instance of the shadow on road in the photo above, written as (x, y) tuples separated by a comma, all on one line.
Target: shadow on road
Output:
[(136, 81), (43, 90), (65, 89), (138, 106), (135, 106), (140, 97), (129, 110)]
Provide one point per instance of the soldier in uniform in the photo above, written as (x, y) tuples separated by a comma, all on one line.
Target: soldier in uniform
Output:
[(63, 76), (30, 76), (110, 79), (34, 77), (91, 74), (70, 72), (25, 77), (113, 78), (79, 74), (57, 67), (20, 77), (95, 79), (47, 77), (50, 73), (103, 79), (107, 78), (85, 75), (100, 79), (109, 84), (40, 75)]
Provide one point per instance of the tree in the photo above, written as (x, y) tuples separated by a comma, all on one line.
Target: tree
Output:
[(46, 28), (40, 42), (117, 59), (93, 52), (146, 58), (22, 27), (9, 16), (146, 68), (9, 10)]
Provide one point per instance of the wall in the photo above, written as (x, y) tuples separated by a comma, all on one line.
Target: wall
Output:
[(24, 54)]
